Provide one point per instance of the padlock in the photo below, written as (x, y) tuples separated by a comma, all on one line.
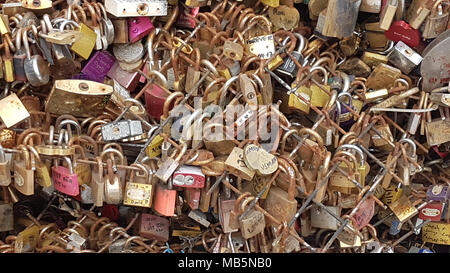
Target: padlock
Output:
[(86, 97), (404, 57), (23, 173), (288, 67), (121, 30), (169, 166), (388, 13), (281, 204), (439, 193), (5, 169), (402, 31), (19, 57), (436, 22), (235, 164), (97, 184), (65, 179), (432, 211), (385, 131), (370, 6), (431, 68), (138, 192), (336, 13), (138, 28), (42, 173), (154, 227), (417, 12), (8, 63), (122, 129), (253, 223), (86, 43), (216, 141), (98, 66), (165, 198), (383, 76)]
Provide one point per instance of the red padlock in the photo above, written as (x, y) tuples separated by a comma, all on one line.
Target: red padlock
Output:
[(402, 31), (432, 211), (111, 212), (189, 177)]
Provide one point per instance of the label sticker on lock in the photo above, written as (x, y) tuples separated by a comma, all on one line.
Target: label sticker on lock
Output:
[(137, 194), (262, 46), (154, 149)]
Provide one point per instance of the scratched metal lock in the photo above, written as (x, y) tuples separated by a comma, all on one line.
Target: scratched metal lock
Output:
[(169, 165), (388, 13), (404, 57), (436, 22), (154, 227), (87, 97), (339, 19), (434, 58), (122, 129)]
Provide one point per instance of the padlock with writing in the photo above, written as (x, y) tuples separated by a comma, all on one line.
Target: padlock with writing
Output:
[(138, 190), (65, 179), (154, 227)]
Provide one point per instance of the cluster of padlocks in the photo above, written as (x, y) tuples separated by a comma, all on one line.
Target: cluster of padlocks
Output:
[(252, 126)]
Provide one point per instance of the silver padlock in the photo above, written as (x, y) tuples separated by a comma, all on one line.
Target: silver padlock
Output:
[(121, 130), (404, 57)]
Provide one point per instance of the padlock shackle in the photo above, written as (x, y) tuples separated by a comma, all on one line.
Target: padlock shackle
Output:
[(143, 168), (411, 143), (321, 69), (220, 100), (69, 164), (171, 98), (210, 86), (319, 139), (71, 122), (356, 149), (114, 151)]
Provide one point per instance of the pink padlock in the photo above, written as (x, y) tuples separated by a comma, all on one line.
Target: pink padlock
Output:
[(126, 79), (193, 197), (65, 179), (139, 27)]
